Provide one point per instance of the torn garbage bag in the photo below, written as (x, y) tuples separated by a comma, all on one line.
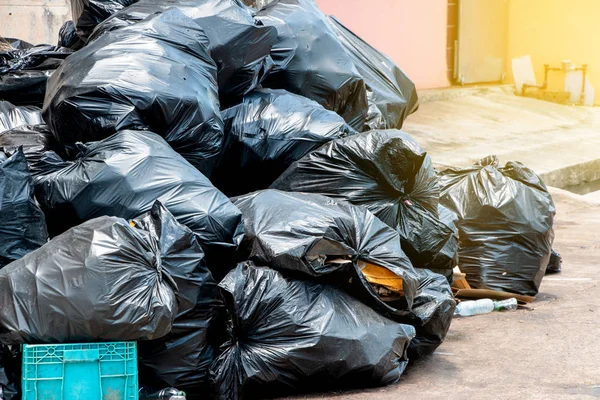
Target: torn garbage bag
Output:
[(183, 357), (392, 96), (289, 335), (390, 174), (100, 281), (311, 61), (332, 241), (506, 217), (23, 224), (431, 314), (155, 75), (238, 45), (12, 116), (266, 133), (122, 176)]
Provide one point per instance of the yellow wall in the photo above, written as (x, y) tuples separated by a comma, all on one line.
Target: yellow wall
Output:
[(554, 30)]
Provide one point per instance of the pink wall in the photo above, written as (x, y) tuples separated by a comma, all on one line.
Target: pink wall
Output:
[(411, 32)]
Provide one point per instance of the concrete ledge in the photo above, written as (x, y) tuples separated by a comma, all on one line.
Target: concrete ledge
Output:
[(572, 175)]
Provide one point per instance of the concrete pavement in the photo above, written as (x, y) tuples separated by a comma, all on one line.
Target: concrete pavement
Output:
[(561, 143)]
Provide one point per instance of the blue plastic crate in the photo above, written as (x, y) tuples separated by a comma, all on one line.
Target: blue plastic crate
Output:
[(83, 371)]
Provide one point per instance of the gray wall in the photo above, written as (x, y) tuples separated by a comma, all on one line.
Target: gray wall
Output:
[(36, 21)]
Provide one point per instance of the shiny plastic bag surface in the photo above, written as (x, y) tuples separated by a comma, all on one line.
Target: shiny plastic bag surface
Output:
[(12, 116), (288, 335), (67, 36), (25, 71), (239, 46), (331, 241), (310, 60), (23, 224), (388, 173), (431, 314), (122, 176), (183, 357), (266, 133), (155, 75), (391, 94), (506, 218), (100, 281)]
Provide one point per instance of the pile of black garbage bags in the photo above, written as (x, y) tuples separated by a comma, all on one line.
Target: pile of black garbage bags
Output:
[(227, 184)]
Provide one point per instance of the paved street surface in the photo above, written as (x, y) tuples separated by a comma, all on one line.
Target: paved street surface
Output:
[(551, 349)]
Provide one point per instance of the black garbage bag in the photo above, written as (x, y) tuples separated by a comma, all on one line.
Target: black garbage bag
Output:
[(25, 70), (431, 314), (67, 36), (555, 263), (313, 236), (311, 61), (122, 176), (89, 13), (10, 372), (24, 87), (34, 140), (505, 225), (183, 357), (392, 96), (23, 224), (390, 174), (293, 335), (155, 75), (40, 57), (27, 136), (12, 116), (239, 46), (444, 262), (100, 281), (266, 133)]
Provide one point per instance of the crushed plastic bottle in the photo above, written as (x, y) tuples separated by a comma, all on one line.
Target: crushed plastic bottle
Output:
[(484, 306)]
